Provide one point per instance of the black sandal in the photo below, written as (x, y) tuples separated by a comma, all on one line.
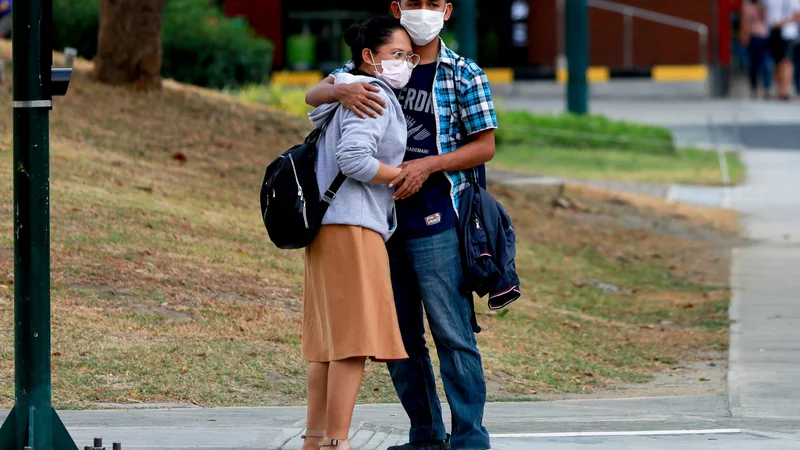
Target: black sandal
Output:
[(317, 434), (336, 444)]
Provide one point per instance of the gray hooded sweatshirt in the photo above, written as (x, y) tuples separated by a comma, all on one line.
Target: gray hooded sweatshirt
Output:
[(356, 146)]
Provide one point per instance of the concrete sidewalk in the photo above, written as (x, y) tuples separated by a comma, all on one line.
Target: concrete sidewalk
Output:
[(672, 113), (711, 196), (765, 343), (667, 422)]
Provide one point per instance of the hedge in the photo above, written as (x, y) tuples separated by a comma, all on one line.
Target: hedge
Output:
[(581, 132), (201, 45)]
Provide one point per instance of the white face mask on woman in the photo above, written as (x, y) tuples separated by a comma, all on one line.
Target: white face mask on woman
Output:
[(395, 75), (422, 25)]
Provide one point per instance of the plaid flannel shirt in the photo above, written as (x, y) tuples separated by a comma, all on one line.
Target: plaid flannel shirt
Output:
[(463, 107)]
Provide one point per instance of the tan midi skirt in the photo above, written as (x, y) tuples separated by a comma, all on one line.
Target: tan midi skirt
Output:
[(348, 303)]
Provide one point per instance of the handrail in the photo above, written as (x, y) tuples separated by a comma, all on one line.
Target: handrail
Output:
[(631, 12), (652, 16)]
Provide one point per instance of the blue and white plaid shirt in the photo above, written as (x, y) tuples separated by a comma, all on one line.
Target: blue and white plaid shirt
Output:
[(463, 106)]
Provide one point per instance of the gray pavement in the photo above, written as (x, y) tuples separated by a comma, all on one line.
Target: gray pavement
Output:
[(765, 342), (631, 89), (713, 196), (692, 421), (672, 113)]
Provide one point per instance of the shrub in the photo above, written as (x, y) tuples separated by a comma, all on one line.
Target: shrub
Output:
[(201, 46), (581, 132), (75, 25), (290, 100)]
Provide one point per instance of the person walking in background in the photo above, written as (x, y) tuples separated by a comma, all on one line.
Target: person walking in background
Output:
[(5, 19), (348, 304), (754, 36), (796, 53), (784, 32)]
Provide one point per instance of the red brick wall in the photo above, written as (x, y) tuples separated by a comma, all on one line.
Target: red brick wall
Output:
[(653, 43), (265, 17), (543, 33)]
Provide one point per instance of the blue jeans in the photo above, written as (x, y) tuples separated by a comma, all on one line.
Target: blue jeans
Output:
[(759, 63), (426, 273)]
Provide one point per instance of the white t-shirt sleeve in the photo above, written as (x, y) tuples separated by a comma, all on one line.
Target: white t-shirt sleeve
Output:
[(792, 30)]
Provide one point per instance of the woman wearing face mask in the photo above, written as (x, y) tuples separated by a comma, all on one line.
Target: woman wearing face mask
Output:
[(348, 304), (451, 122)]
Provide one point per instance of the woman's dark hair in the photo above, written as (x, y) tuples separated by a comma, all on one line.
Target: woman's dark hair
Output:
[(371, 34)]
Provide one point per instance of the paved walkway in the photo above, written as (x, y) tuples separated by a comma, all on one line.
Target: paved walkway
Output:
[(671, 113), (601, 424), (713, 196), (765, 345)]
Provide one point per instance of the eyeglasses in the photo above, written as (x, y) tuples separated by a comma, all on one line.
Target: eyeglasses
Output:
[(411, 58)]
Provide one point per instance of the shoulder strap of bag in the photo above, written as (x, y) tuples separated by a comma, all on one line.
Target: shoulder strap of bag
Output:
[(317, 133), (330, 194)]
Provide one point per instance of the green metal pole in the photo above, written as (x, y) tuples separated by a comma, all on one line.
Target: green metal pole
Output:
[(577, 43), (33, 422), (466, 12), (31, 232)]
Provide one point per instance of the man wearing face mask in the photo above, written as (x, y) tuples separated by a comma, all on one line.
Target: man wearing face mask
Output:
[(451, 121)]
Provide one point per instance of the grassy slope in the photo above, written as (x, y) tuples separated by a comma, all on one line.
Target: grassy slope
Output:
[(594, 147), (165, 287), (687, 166)]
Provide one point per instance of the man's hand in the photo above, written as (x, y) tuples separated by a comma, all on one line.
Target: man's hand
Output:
[(414, 174), (361, 98)]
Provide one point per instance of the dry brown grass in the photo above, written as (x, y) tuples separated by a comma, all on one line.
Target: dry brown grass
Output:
[(719, 218), (166, 288)]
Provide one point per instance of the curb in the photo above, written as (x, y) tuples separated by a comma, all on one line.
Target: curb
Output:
[(507, 75), (734, 394)]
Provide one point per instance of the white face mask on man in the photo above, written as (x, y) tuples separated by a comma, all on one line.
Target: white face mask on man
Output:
[(422, 25), (396, 74)]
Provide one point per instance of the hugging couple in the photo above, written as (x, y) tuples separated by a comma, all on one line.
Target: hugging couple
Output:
[(416, 125)]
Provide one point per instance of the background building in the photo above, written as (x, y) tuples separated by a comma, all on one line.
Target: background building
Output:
[(520, 34)]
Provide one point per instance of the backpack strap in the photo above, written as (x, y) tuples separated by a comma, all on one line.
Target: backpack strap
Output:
[(313, 136), (330, 194), (317, 133)]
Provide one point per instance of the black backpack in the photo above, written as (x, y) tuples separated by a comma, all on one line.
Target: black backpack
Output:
[(290, 202)]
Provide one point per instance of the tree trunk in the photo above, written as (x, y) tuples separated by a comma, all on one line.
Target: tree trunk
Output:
[(129, 43)]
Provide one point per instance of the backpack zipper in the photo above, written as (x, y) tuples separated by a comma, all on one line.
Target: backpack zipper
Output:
[(300, 193), (266, 209), (303, 201)]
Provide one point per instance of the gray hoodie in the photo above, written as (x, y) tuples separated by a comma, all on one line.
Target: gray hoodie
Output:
[(356, 146)]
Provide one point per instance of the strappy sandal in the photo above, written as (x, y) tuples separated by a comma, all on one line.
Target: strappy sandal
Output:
[(336, 444), (314, 434)]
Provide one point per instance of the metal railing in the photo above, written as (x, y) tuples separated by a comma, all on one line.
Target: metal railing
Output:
[(631, 12)]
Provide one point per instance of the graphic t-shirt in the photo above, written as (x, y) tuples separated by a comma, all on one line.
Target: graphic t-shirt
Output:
[(430, 211), (5, 7)]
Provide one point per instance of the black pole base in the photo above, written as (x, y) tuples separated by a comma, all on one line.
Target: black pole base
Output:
[(8, 434), (720, 78)]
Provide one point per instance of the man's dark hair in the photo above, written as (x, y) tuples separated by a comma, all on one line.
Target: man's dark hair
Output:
[(401, 1), (371, 34)]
